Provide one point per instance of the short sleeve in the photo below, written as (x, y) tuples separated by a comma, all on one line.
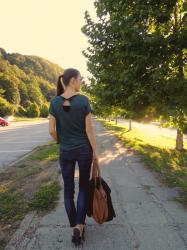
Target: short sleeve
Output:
[(51, 109), (88, 106)]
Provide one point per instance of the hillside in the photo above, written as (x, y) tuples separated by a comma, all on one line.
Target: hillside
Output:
[(27, 83)]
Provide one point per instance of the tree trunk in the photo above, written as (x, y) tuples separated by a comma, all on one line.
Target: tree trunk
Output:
[(130, 124), (179, 140), (176, 28)]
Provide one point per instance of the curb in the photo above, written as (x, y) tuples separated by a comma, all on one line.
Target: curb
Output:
[(20, 237), (17, 237), (20, 159)]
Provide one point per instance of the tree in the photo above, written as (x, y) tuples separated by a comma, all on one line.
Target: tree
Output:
[(137, 57), (34, 92), (6, 108), (23, 93), (24, 78), (9, 85), (2, 91), (44, 110), (33, 110)]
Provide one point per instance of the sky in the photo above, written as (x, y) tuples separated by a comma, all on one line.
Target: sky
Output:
[(47, 28)]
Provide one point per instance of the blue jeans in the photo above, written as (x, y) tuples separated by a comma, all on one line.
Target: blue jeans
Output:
[(67, 159)]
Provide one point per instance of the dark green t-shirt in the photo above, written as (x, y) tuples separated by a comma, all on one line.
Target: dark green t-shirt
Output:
[(70, 125)]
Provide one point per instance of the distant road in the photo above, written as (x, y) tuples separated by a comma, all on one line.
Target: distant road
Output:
[(20, 138)]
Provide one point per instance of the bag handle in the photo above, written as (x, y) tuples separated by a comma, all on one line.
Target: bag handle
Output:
[(96, 171)]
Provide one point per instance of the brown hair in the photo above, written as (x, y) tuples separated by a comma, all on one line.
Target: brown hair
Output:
[(65, 78)]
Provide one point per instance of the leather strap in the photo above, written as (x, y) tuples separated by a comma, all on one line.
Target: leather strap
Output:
[(95, 169)]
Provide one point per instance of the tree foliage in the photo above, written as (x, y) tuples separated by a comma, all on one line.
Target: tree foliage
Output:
[(138, 56), (26, 79)]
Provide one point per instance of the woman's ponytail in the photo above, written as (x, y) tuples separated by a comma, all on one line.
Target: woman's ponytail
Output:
[(64, 79), (60, 88)]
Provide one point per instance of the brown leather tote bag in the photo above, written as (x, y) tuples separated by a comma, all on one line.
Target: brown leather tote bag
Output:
[(100, 206)]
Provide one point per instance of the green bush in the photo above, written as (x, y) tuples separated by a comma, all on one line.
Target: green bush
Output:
[(44, 110), (33, 110), (21, 111), (6, 108), (27, 104)]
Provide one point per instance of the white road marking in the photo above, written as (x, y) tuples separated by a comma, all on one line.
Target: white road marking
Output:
[(21, 150), (6, 137), (18, 142)]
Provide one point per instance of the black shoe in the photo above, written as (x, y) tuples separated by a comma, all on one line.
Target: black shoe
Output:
[(76, 237)]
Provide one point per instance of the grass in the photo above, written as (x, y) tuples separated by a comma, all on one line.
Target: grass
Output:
[(13, 206), (47, 153), (18, 180), (24, 118), (159, 154), (46, 196), (31, 184)]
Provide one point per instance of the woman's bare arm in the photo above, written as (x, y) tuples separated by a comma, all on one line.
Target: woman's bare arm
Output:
[(52, 127), (90, 131)]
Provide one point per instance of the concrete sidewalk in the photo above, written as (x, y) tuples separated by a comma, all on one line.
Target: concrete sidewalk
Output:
[(146, 216)]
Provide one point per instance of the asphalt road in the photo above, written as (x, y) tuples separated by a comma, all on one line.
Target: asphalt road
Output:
[(20, 138)]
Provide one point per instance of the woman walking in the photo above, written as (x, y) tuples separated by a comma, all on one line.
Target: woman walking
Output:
[(70, 124)]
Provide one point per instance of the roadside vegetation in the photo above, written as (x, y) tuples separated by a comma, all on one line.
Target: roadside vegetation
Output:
[(31, 184), (24, 118), (158, 154)]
